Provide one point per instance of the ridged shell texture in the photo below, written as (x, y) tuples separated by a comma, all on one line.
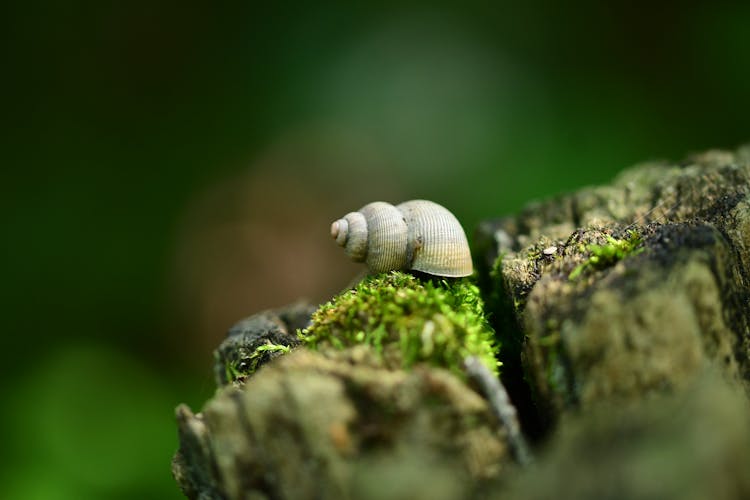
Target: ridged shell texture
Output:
[(438, 243), (416, 235)]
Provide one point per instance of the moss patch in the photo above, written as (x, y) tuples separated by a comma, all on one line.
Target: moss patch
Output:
[(248, 361), (408, 320), (604, 256)]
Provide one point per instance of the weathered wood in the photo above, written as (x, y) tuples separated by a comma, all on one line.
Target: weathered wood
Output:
[(618, 292), (311, 425)]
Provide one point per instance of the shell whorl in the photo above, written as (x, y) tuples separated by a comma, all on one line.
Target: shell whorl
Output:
[(419, 235), (437, 241), (350, 232), (386, 237)]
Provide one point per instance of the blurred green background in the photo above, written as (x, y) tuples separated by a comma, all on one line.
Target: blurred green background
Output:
[(171, 167)]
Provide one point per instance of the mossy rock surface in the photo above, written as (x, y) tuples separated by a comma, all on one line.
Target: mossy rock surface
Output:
[(372, 389), (339, 424), (669, 296)]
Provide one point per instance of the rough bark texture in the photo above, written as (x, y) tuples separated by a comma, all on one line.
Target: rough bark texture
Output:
[(256, 340), (576, 332), (691, 445), (623, 314), (314, 425)]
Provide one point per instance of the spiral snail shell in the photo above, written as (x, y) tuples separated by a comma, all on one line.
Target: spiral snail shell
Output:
[(416, 235)]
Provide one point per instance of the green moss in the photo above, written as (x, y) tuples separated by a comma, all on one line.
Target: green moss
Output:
[(247, 362), (604, 256), (408, 320)]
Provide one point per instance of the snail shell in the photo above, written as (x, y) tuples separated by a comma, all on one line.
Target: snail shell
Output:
[(416, 235)]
